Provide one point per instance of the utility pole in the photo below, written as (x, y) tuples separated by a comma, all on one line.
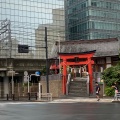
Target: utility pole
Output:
[(46, 48), (10, 50), (9, 37)]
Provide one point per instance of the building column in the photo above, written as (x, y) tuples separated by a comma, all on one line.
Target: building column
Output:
[(89, 2), (6, 85), (64, 77)]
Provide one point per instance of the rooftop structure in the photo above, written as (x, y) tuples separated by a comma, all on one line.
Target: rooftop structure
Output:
[(103, 47)]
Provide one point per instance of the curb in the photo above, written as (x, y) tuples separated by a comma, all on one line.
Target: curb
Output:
[(91, 100)]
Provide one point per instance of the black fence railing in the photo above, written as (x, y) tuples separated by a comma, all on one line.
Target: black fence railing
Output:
[(19, 97)]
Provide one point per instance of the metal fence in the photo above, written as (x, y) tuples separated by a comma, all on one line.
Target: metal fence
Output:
[(21, 92)]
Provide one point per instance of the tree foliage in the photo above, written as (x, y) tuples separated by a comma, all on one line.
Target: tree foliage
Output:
[(111, 75), (43, 71), (109, 91)]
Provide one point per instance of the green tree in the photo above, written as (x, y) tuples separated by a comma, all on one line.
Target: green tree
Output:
[(43, 71), (111, 75), (109, 91)]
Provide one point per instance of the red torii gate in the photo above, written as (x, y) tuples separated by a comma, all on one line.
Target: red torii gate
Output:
[(88, 61)]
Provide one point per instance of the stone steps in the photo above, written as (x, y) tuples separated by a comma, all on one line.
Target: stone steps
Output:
[(78, 89), (78, 95)]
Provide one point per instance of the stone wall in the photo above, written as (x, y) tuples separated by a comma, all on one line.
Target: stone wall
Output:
[(55, 87)]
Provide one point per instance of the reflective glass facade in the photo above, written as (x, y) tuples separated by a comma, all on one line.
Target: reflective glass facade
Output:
[(24, 21), (92, 19)]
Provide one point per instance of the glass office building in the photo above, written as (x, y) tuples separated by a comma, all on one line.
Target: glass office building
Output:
[(92, 19), (20, 21)]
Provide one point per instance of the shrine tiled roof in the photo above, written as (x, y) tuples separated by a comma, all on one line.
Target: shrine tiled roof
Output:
[(77, 53), (103, 47)]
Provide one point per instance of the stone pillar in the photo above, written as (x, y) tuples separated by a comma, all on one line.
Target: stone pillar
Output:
[(6, 85), (88, 79)]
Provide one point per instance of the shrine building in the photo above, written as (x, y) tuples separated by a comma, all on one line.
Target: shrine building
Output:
[(84, 61)]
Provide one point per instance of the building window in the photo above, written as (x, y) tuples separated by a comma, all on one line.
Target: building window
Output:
[(108, 5), (83, 5), (91, 25), (94, 3)]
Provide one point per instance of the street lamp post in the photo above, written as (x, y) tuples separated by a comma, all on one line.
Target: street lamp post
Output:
[(12, 83), (13, 73)]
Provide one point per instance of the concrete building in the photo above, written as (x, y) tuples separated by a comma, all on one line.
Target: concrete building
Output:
[(18, 21), (55, 32)]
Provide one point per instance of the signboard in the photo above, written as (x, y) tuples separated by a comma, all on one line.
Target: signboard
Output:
[(10, 73), (23, 49), (37, 73)]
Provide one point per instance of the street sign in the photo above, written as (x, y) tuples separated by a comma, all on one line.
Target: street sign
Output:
[(11, 73), (37, 73), (23, 48)]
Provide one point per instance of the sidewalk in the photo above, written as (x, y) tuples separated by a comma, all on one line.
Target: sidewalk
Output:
[(68, 100), (82, 99)]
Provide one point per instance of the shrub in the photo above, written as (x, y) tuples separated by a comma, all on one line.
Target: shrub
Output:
[(111, 75), (109, 91)]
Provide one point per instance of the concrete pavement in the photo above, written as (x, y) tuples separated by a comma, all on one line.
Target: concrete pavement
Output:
[(70, 100), (83, 99)]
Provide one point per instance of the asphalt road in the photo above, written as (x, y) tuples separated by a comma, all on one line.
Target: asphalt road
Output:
[(59, 111)]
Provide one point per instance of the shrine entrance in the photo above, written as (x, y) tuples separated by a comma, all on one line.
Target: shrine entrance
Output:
[(76, 59)]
